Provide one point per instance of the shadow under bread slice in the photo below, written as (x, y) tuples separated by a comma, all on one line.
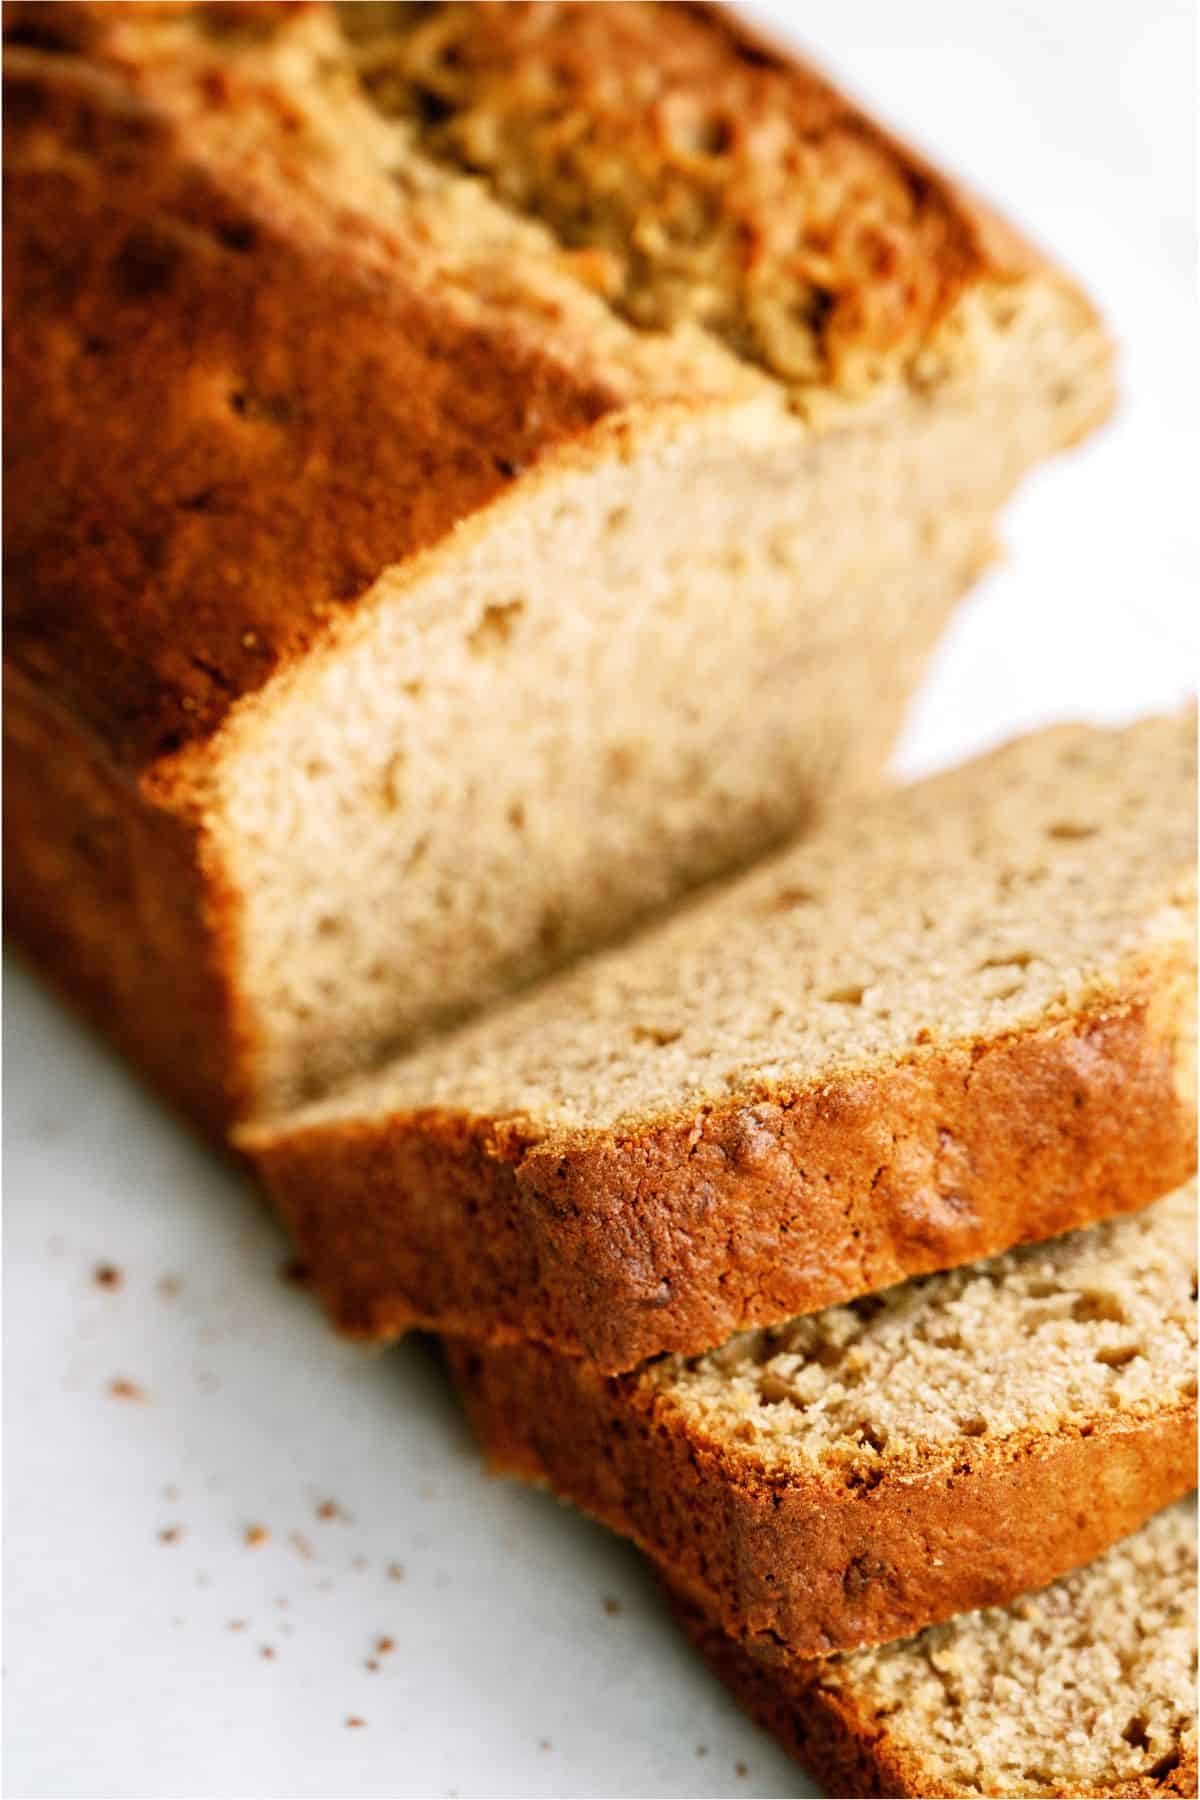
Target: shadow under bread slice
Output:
[(1085, 1688), (856, 1474), (957, 1018)]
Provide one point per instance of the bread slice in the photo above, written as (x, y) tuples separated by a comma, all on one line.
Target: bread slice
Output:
[(413, 576), (1087, 1688), (862, 1472), (955, 1019)]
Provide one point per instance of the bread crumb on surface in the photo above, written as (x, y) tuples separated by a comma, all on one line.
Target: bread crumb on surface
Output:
[(255, 1536), (170, 1534), (121, 1388), (107, 1275)]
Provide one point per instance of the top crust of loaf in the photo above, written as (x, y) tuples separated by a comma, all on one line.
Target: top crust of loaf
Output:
[(271, 349)]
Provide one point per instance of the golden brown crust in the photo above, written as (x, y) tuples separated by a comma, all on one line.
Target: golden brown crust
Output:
[(191, 276), (710, 173), (249, 405), (122, 909), (799, 1566), (620, 1248), (845, 1746)]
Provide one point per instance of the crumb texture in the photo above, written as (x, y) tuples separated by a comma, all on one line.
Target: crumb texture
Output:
[(1094, 1328), (1075, 1690), (963, 908)]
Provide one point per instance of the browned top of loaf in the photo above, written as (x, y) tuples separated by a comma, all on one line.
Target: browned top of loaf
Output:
[(249, 366), (704, 173)]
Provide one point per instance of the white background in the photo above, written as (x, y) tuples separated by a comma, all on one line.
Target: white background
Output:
[(124, 1677)]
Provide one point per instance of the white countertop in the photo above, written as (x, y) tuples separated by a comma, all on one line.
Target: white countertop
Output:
[(531, 1654)]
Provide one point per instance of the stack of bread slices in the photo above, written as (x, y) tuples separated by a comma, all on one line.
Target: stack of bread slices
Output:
[(482, 478), (835, 1241)]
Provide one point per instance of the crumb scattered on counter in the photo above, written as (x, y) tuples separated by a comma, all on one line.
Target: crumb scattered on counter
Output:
[(701, 1749), (740, 1770), (331, 1509), (385, 1645), (358, 1562), (255, 1536), (612, 1605), (301, 1545), (545, 1744), (121, 1388), (237, 1624), (107, 1275), (395, 1571), (170, 1534), (170, 1285), (267, 1652), (354, 1723)]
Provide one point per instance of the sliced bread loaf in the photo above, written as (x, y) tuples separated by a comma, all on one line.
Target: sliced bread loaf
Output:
[(957, 1018), (856, 1474), (436, 573), (1085, 1689)]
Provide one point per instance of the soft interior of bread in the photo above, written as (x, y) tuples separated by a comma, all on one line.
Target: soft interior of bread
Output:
[(1096, 1323), (960, 908), (631, 674), (1078, 1688)]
